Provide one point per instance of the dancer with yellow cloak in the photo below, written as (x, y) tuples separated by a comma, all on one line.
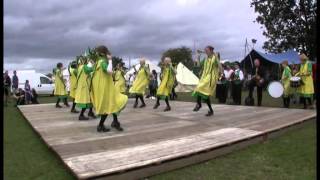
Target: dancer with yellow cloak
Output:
[(140, 83), (209, 77), (306, 90), (118, 77), (59, 86), (285, 80), (167, 80), (106, 98), (83, 99), (73, 80)]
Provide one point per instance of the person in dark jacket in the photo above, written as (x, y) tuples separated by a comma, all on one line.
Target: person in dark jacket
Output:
[(258, 80)]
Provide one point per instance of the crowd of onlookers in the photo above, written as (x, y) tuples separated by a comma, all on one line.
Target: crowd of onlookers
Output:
[(24, 96)]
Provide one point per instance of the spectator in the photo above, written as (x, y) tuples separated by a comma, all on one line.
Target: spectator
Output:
[(15, 81), (153, 85), (19, 95), (6, 87), (34, 97), (28, 93)]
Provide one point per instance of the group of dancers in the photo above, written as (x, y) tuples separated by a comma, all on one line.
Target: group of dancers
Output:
[(94, 84)]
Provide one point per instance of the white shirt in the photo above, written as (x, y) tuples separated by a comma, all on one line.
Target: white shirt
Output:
[(241, 77), (227, 73)]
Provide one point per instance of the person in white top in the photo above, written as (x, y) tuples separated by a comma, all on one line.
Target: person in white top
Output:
[(228, 74), (237, 81)]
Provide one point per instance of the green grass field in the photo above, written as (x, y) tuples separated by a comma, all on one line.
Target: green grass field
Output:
[(290, 156)]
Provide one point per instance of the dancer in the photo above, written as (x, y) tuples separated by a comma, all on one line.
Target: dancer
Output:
[(59, 86), (207, 84), (140, 83), (73, 81), (119, 80), (167, 80), (82, 98), (285, 80), (306, 90), (106, 98)]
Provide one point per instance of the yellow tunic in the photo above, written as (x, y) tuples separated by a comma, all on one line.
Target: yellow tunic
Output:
[(285, 79), (167, 82), (106, 98), (73, 81), (83, 83), (141, 82), (208, 81), (59, 86), (307, 89), (119, 81)]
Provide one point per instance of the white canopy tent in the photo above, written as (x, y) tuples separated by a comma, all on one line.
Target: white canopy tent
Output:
[(187, 81)]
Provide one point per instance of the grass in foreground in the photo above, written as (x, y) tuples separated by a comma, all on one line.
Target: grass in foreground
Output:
[(291, 156)]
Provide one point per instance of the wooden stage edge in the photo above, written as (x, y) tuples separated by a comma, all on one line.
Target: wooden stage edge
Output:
[(180, 138)]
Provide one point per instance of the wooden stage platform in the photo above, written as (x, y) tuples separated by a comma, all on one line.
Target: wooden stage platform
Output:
[(154, 141)]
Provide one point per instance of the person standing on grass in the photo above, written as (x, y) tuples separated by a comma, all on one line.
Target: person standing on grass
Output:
[(237, 84), (168, 74), (6, 87), (59, 86), (15, 81), (208, 81), (73, 81), (118, 77), (106, 98), (285, 80), (28, 92), (140, 83), (306, 90), (82, 94)]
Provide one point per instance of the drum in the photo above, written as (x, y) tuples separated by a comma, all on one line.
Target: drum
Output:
[(295, 81), (275, 89)]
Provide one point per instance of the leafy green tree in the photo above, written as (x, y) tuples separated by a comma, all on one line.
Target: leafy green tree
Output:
[(182, 54), (288, 24)]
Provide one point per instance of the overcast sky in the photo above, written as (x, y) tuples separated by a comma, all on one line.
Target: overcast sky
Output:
[(39, 34)]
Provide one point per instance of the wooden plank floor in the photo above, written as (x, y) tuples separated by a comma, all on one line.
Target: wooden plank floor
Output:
[(151, 136)]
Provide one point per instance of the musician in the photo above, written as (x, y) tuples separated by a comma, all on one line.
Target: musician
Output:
[(228, 72), (82, 95), (221, 92), (59, 86), (73, 81), (119, 80), (306, 90), (285, 80), (237, 84), (168, 74), (140, 83), (106, 98), (208, 80), (257, 80)]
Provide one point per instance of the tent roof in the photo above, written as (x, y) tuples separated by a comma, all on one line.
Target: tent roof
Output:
[(137, 66), (185, 76), (290, 55)]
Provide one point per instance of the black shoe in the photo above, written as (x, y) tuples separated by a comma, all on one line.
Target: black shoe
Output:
[(91, 114), (156, 106), (197, 108), (74, 111), (210, 113), (58, 106), (168, 108), (102, 129), (135, 105), (116, 126), (83, 118), (142, 105)]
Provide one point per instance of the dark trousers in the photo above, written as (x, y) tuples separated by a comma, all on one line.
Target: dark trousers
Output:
[(221, 93), (252, 84), (236, 92)]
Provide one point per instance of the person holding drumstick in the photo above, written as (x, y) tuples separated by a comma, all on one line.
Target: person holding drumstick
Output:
[(208, 81), (285, 80), (306, 90)]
